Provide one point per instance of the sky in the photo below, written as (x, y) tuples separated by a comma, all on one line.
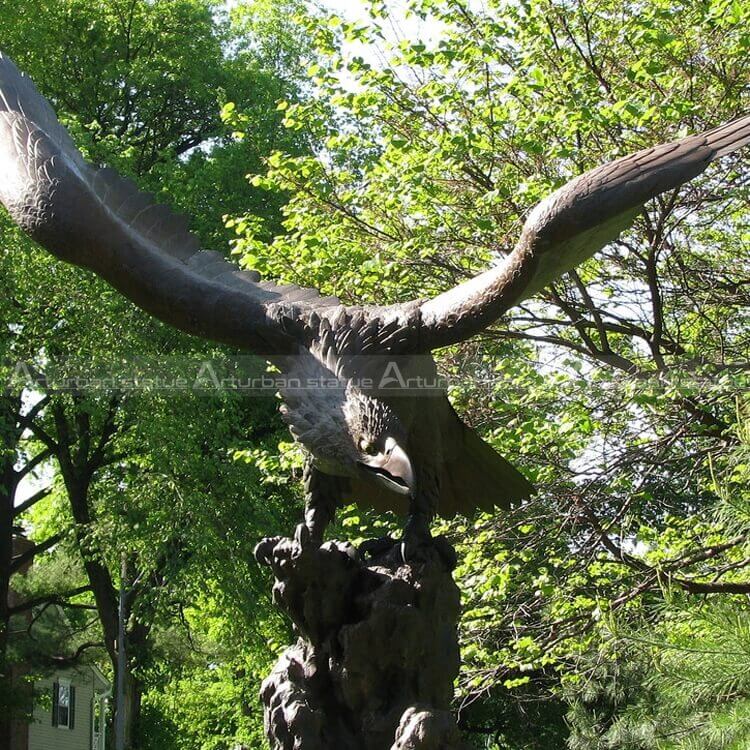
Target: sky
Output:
[(402, 25)]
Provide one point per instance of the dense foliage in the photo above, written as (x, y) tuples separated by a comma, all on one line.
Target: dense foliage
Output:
[(390, 159), (621, 387), (127, 480)]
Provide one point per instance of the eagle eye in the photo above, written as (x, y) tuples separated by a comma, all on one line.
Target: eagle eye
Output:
[(368, 447)]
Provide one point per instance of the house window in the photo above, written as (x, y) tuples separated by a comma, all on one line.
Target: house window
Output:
[(63, 704)]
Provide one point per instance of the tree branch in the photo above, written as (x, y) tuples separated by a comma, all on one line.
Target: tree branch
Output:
[(30, 502), (49, 599), (32, 464), (21, 560)]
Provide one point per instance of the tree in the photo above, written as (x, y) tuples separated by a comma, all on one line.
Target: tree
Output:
[(141, 86), (617, 388), (681, 665), (25, 598)]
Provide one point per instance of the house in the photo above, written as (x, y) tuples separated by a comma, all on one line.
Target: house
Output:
[(69, 705), (70, 715)]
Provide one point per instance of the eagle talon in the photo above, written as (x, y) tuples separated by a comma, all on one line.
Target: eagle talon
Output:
[(416, 537), (263, 551), (305, 537), (372, 548), (418, 544)]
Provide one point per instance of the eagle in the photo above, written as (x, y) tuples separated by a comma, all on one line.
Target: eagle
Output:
[(402, 449)]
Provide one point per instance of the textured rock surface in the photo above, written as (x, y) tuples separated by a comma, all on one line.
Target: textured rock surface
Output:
[(377, 653)]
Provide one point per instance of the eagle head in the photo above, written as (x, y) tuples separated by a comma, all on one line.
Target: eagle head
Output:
[(378, 441), (353, 434)]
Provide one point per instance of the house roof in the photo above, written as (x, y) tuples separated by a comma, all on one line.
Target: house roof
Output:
[(99, 677)]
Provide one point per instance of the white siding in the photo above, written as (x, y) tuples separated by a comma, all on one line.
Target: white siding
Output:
[(43, 736)]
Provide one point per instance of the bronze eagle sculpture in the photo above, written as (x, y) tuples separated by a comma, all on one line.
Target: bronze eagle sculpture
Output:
[(397, 451)]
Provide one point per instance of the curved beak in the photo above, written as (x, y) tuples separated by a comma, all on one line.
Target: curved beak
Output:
[(391, 469)]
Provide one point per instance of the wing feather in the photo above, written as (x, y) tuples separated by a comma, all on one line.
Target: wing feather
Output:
[(571, 225), (95, 218)]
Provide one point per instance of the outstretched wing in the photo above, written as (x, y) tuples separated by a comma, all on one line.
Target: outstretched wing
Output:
[(571, 225), (94, 218)]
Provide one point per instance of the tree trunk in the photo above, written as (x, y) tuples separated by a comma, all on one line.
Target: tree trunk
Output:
[(78, 468), (132, 709), (6, 558), (6, 542), (377, 656), (9, 435)]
